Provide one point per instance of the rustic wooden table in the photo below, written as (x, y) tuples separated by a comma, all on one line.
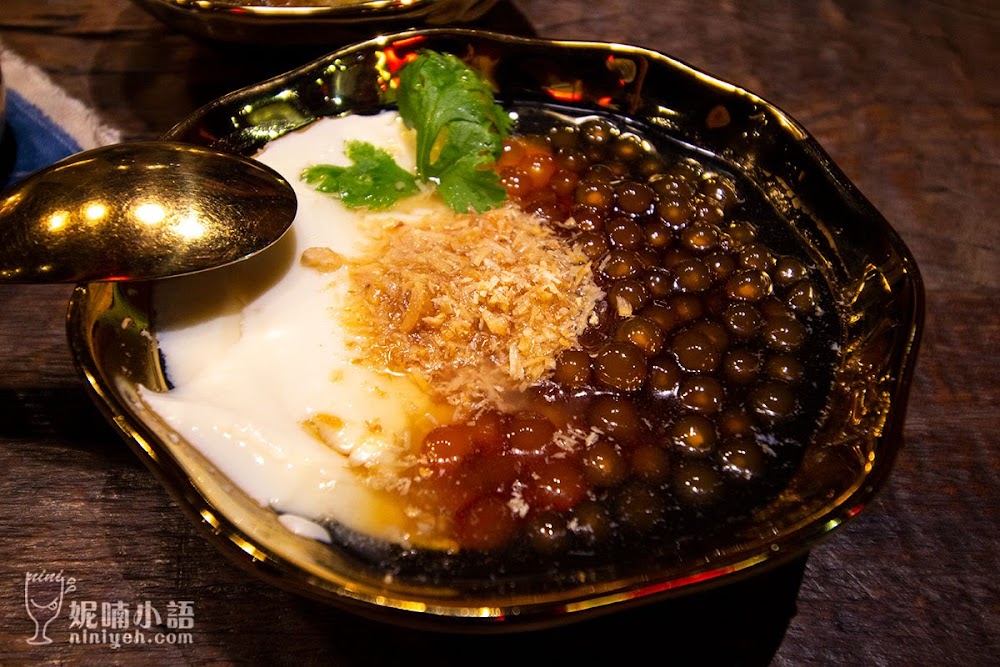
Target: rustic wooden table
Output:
[(902, 93)]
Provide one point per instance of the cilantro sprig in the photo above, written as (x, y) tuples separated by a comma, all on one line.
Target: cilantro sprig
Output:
[(460, 129), (459, 134), (373, 181)]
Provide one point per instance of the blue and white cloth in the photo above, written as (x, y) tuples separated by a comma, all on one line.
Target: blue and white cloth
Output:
[(44, 124)]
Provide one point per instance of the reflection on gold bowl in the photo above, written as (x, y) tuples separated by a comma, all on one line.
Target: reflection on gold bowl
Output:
[(871, 274), (305, 21)]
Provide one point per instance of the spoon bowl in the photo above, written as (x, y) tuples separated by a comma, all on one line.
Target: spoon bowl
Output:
[(140, 211)]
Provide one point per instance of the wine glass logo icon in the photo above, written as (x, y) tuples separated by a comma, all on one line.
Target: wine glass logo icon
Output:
[(43, 598)]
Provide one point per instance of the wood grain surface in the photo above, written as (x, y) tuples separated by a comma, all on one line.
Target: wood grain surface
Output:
[(904, 96)]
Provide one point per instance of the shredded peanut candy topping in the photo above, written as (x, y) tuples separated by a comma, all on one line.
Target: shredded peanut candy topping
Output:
[(470, 306)]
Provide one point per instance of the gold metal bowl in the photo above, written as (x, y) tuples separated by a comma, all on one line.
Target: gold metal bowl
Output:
[(872, 275), (305, 21)]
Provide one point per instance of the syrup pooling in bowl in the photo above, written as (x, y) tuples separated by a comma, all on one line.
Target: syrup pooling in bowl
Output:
[(687, 402)]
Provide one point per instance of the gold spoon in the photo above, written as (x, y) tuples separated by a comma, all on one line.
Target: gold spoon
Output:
[(139, 211)]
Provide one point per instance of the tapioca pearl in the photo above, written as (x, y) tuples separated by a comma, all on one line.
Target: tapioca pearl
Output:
[(715, 331), (445, 494), (789, 270), (618, 168), (604, 465), (701, 393), (803, 297), (486, 524), (715, 303), (772, 400), (696, 483), (695, 352), (625, 233), (547, 532), (676, 212), (493, 472), (540, 167), (599, 172), (738, 233), (556, 407), (571, 159), (591, 522), (563, 136), (586, 219), (735, 422), (743, 320), (692, 435), (597, 132), (620, 366), (691, 275), (593, 339), (662, 315), (595, 155), (657, 234), (719, 189), (709, 213), (772, 307), (699, 237), (511, 153), (628, 148), (573, 368), (618, 263), (748, 285), (687, 307), (650, 463), (528, 432), (674, 255), (755, 256), (627, 297), (598, 195), (649, 166), (488, 431), (615, 417), (634, 198), (721, 264), (784, 334), (593, 244), (444, 447), (556, 484), (786, 368), (564, 182), (664, 377), (741, 366), (545, 205), (741, 458), (643, 333), (648, 257), (603, 317), (672, 183), (516, 182), (659, 281)]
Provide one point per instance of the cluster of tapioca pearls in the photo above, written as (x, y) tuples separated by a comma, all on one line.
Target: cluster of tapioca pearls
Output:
[(698, 349)]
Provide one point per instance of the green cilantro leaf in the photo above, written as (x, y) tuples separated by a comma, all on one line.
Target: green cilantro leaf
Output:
[(460, 129), (374, 181), (459, 133)]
